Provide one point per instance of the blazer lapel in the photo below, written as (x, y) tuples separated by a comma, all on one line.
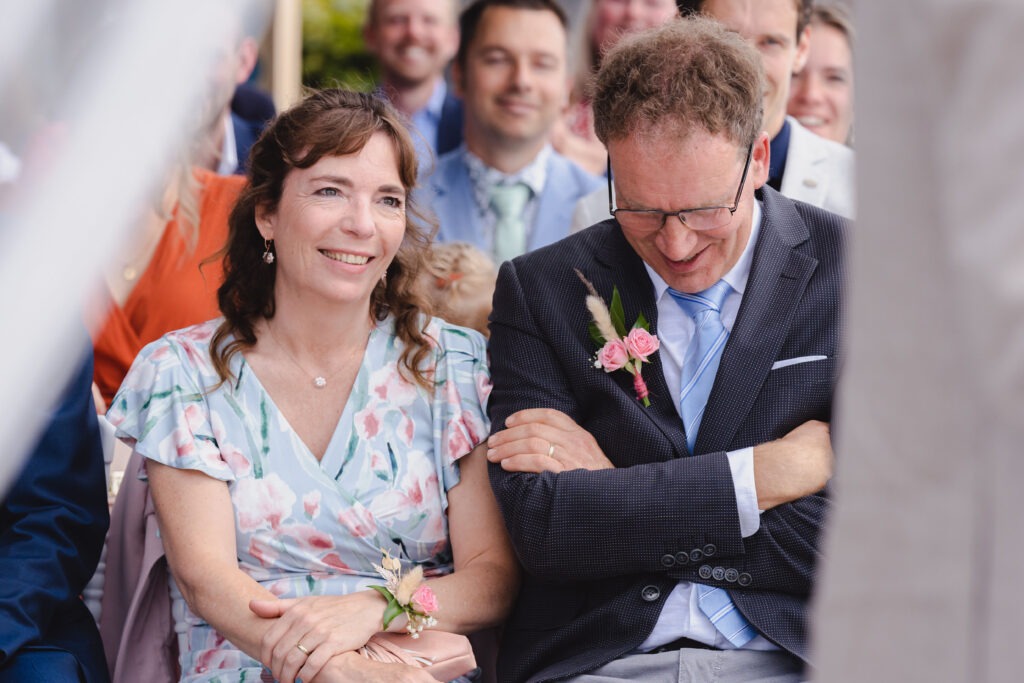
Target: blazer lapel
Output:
[(625, 270), (555, 205), (449, 127), (778, 277), (454, 206)]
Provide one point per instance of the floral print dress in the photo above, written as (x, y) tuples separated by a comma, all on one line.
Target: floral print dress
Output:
[(303, 526)]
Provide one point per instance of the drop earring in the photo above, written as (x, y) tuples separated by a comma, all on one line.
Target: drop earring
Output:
[(268, 256)]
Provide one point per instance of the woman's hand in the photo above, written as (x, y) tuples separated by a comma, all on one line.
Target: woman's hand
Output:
[(352, 668), (324, 625)]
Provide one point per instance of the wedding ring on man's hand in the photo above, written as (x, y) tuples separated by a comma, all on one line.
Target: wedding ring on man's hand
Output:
[(302, 649), (551, 450)]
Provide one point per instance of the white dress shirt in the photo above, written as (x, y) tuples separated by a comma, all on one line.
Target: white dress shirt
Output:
[(681, 616)]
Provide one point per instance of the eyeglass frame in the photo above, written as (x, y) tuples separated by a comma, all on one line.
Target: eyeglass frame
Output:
[(679, 214)]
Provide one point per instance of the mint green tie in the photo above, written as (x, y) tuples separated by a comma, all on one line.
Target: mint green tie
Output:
[(508, 202)]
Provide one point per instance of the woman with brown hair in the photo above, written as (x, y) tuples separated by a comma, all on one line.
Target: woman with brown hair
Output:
[(324, 419), (821, 94)]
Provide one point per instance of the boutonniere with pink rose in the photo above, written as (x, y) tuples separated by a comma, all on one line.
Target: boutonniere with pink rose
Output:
[(620, 349)]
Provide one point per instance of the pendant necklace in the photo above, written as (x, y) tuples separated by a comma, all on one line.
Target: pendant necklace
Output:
[(319, 381)]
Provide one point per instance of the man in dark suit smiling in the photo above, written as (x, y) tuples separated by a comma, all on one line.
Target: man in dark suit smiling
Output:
[(670, 541)]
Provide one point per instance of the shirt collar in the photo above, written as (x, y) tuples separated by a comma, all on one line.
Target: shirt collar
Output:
[(533, 175), (737, 275)]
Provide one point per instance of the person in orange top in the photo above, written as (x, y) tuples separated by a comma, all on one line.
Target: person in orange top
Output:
[(171, 280), (166, 276)]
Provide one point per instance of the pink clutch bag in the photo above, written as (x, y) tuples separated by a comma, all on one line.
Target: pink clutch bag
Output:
[(445, 656)]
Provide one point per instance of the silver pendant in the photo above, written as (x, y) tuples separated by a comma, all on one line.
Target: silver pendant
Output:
[(319, 382)]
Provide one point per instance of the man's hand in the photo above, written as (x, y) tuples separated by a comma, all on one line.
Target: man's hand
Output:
[(543, 440), (794, 466)]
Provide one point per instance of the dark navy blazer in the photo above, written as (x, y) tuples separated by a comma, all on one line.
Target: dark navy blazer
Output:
[(449, 127), (247, 131), (52, 525), (602, 550)]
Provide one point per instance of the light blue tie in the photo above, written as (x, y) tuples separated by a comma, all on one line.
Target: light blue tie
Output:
[(700, 365), (716, 604), (508, 201)]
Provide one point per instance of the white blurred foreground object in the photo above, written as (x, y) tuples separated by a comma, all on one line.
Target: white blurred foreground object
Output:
[(116, 103), (926, 547)]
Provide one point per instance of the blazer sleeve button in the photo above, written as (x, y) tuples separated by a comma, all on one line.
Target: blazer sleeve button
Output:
[(732, 574), (718, 573), (710, 549), (668, 560), (704, 572), (745, 579), (696, 555), (682, 557), (650, 593)]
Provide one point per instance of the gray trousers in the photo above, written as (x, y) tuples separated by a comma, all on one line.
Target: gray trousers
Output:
[(700, 666)]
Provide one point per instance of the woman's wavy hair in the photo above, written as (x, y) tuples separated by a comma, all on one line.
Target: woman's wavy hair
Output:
[(330, 122)]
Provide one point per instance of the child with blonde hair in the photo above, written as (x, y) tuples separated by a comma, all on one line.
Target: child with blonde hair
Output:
[(459, 282)]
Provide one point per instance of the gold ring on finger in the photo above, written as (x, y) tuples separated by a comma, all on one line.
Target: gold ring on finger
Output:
[(302, 649), (551, 450)]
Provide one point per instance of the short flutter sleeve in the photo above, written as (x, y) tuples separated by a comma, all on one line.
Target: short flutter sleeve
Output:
[(462, 384), (161, 409)]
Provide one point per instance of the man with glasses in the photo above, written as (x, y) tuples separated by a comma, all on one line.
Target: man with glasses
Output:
[(675, 540), (803, 166)]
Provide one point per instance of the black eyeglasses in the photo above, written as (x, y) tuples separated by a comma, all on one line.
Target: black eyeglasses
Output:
[(703, 218)]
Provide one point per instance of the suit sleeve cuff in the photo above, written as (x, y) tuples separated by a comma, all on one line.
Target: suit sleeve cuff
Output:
[(741, 464)]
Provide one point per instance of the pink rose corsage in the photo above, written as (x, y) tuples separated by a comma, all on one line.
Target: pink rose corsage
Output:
[(619, 349), (406, 594)]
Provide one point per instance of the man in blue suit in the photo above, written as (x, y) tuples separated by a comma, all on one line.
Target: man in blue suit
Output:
[(506, 190), (668, 519), (52, 525), (413, 41)]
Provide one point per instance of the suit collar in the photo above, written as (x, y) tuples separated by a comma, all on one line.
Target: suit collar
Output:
[(778, 277), (621, 267), (565, 184), (483, 177)]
